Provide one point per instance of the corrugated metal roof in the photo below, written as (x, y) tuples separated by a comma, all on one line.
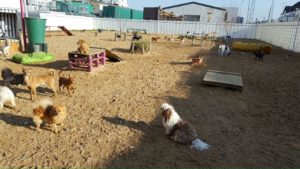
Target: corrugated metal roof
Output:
[(8, 10), (196, 3)]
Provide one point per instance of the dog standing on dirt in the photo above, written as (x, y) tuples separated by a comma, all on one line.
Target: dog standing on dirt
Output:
[(45, 111), (155, 38), (66, 82), (6, 95), (32, 82), (224, 50), (83, 47), (259, 55), (179, 130)]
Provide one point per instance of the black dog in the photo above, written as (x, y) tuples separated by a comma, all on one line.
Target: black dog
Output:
[(259, 55), (10, 78), (136, 37)]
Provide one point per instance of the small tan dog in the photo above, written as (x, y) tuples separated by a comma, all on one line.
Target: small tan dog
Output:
[(32, 82), (45, 111), (83, 47), (66, 82)]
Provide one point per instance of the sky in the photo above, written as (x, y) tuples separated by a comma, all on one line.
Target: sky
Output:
[(261, 11)]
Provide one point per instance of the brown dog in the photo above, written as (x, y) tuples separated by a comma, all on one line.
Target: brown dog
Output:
[(51, 114), (32, 82), (83, 47), (66, 83), (155, 38)]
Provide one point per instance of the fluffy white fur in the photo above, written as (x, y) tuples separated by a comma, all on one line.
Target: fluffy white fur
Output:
[(5, 49), (44, 103), (224, 50), (6, 95), (174, 119)]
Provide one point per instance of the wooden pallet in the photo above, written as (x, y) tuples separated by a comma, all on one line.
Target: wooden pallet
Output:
[(87, 61), (224, 79)]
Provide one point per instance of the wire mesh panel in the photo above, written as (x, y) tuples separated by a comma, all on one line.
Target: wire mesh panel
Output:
[(285, 35)]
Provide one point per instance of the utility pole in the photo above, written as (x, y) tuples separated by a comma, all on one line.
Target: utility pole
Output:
[(23, 23), (251, 10), (270, 18), (240, 10)]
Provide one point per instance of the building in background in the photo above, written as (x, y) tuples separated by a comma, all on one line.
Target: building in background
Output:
[(100, 4), (240, 19), (119, 12), (290, 13), (197, 12), (156, 13), (41, 5), (9, 17), (231, 14), (74, 8)]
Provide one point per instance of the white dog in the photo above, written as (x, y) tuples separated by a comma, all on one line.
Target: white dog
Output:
[(179, 130), (5, 49), (6, 95), (224, 50)]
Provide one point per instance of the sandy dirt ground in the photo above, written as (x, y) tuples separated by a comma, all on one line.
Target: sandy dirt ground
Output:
[(114, 118)]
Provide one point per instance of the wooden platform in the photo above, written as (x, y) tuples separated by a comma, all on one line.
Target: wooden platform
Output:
[(224, 79), (87, 61)]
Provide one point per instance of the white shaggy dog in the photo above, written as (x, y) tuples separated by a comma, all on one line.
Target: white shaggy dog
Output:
[(179, 130), (6, 95), (224, 50), (5, 50)]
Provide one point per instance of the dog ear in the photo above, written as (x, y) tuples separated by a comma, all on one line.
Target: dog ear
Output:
[(26, 71), (166, 114)]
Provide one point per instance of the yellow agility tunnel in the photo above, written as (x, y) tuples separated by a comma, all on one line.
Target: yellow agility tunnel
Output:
[(252, 47)]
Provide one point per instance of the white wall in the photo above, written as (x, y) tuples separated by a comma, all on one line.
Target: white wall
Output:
[(163, 27), (12, 4), (280, 34), (69, 21)]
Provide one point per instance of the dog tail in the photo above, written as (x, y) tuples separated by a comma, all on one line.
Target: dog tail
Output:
[(200, 145), (44, 103)]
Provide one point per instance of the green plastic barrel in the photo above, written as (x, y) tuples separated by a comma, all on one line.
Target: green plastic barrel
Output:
[(36, 30)]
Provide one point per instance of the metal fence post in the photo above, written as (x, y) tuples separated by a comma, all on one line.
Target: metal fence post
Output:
[(297, 27), (158, 27)]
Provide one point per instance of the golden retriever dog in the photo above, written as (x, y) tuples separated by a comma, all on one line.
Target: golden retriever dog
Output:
[(45, 111), (32, 82), (83, 47)]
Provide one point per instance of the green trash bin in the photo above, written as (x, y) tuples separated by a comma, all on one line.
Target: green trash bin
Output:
[(36, 30)]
